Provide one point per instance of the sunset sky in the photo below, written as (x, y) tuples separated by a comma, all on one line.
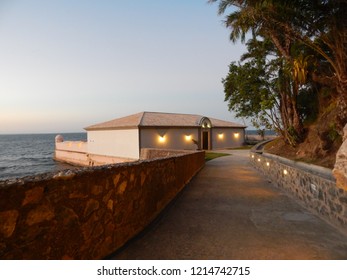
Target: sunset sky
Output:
[(68, 64)]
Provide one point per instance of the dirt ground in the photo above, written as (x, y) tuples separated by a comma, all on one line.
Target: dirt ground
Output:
[(310, 151)]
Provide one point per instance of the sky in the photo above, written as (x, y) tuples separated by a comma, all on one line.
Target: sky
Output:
[(68, 64)]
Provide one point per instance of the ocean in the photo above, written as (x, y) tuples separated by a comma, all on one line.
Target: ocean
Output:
[(31, 154)]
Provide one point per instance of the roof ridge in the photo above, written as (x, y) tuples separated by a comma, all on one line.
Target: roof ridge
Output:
[(143, 114)]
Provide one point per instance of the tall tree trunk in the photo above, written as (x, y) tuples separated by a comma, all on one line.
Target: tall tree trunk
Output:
[(341, 119)]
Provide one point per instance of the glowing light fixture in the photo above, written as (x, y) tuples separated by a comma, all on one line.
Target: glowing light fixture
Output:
[(188, 137), (236, 135), (220, 135), (285, 172), (161, 138), (268, 164), (259, 159), (252, 156)]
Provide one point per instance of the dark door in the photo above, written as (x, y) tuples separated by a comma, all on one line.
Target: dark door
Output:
[(205, 140)]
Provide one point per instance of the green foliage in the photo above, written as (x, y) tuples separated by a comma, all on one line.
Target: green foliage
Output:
[(308, 40), (211, 155), (333, 134), (308, 105), (250, 87), (329, 108), (293, 135), (245, 147), (261, 133)]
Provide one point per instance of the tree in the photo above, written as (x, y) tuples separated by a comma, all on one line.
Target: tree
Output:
[(321, 25), (259, 87)]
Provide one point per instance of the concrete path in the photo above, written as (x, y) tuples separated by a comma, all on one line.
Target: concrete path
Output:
[(230, 211)]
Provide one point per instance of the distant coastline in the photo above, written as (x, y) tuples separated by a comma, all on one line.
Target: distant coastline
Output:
[(72, 134), (255, 132)]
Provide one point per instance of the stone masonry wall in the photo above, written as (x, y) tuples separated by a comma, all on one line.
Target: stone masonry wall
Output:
[(152, 153), (90, 212), (314, 186)]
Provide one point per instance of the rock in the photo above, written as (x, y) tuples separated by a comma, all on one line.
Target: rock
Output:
[(96, 189), (40, 214), (33, 196), (121, 188), (8, 221), (340, 168), (110, 205), (92, 206), (67, 217), (64, 175)]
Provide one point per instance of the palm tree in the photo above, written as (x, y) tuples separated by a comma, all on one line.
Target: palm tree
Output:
[(257, 18), (321, 25)]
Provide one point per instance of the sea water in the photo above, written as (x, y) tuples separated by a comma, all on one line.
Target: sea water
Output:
[(31, 154)]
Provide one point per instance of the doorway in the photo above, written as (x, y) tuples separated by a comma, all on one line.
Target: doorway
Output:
[(205, 140)]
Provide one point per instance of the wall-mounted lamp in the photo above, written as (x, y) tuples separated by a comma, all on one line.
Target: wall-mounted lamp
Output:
[(188, 137), (285, 172), (268, 164), (220, 135), (161, 138), (236, 135), (252, 156), (259, 159)]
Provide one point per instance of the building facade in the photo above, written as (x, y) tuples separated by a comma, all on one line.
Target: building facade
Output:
[(125, 138)]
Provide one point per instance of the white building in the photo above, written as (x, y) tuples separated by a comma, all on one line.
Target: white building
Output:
[(123, 139)]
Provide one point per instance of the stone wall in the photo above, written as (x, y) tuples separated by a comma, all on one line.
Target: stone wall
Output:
[(314, 186), (90, 212), (151, 153)]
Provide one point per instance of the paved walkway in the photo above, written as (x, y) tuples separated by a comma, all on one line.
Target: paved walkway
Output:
[(230, 211)]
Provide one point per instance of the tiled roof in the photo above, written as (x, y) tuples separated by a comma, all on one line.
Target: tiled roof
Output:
[(150, 119), (169, 119), (221, 123), (128, 121)]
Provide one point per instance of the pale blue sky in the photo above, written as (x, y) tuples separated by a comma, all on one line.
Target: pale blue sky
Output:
[(68, 64)]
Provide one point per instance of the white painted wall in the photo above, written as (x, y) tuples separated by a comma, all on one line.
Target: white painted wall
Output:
[(116, 143), (226, 138), (174, 138), (74, 146)]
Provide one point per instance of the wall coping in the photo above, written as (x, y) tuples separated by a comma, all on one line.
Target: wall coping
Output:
[(259, 148), (68, 173), (323, 172)]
